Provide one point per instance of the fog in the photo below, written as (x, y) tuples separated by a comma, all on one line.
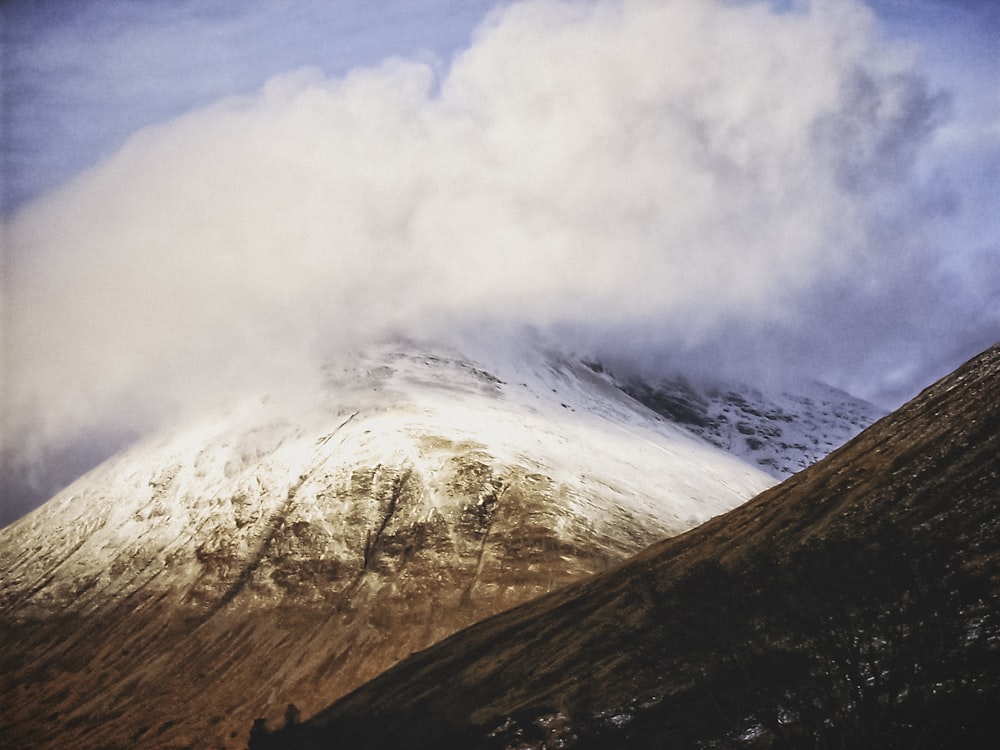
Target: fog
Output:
[(744, 189)]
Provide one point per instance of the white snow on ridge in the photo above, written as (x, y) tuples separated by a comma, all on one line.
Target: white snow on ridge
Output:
[(782, 432), (159, 513)]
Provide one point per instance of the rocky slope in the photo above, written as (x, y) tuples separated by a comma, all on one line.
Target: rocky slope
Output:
[(281, 553), (857, 604), (782, 431)]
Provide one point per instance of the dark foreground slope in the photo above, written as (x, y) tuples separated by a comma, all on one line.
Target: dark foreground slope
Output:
[(855, 605)]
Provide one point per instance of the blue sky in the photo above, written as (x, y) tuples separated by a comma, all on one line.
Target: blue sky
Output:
[(81, 77), (791, 189)]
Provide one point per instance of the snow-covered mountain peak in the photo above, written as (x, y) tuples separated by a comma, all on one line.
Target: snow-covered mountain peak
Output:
[(417, 491), (191, 511)]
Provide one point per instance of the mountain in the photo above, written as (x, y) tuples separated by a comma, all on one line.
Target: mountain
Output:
[(287, 551), (857, 604)]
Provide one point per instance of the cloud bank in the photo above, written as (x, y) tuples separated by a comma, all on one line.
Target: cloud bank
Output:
[(669, 176)]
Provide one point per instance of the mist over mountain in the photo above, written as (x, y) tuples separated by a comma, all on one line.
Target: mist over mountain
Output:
[(855, 605), (749, 187)]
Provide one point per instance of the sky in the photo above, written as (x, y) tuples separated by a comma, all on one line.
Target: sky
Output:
[(205, 197)]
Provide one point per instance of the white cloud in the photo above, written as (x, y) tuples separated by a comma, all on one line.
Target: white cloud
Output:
[(598, 164)]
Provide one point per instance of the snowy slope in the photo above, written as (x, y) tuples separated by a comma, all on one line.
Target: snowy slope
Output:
[(782, 431), (622, 479), (418, 492)]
